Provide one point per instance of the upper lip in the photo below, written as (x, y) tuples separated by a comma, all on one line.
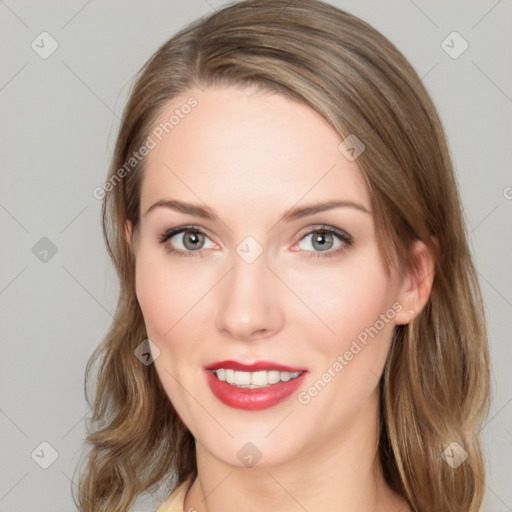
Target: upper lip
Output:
[(252, 367)]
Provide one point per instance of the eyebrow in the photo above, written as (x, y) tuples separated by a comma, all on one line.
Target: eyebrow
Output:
[(290, 215)]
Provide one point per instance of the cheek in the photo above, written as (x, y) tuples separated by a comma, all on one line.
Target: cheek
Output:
[(167, 293), (349, 297), (177, 310), (348, 361), (153, 293)]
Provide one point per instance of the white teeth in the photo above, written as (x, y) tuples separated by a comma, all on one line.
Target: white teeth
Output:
[(254, 379), (257, 378), (242, 378), (274, 376), (284, 376), (230, 376)]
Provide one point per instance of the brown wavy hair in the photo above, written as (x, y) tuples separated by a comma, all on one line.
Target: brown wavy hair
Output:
[(434, 389)]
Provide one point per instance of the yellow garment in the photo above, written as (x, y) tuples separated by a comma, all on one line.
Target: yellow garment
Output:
[(175, 502)]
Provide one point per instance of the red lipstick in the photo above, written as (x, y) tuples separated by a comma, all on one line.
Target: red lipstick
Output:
[(252, 367), (253, 399)]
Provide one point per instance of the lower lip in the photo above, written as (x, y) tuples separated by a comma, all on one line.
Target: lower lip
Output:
[(255, 399)]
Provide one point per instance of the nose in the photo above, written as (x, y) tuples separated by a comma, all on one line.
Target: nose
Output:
[(248, 301)]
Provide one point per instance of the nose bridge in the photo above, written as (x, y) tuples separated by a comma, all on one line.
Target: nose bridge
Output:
[(249, 303)]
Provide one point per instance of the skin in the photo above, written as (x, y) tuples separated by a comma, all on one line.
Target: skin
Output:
[(251, 156)]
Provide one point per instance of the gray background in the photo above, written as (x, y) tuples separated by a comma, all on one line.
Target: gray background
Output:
[(59, 118)]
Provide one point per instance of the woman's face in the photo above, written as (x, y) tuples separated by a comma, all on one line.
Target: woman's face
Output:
[(256, 282)]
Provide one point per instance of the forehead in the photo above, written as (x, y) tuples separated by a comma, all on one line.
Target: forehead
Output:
[(243, 146)]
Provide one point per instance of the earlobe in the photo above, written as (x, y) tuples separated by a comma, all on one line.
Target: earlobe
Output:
[(417, 284)]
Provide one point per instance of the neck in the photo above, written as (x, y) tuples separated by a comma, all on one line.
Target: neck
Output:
[(342, 474)]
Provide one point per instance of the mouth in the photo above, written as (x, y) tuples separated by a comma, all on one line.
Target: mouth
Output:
[(253, 386), (254, 380)]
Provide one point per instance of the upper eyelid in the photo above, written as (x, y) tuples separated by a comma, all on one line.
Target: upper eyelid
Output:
[(323, 227)]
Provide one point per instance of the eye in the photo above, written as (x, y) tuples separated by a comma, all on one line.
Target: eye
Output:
[(192, 241), (189, 241), (323, 240)]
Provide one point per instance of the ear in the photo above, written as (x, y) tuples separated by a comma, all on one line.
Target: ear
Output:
[(128, 233), (416, 284)]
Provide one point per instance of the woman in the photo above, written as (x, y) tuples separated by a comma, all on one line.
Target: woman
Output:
[(299, 322)]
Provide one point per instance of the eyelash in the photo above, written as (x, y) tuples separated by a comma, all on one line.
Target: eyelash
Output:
[(344, 237)]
